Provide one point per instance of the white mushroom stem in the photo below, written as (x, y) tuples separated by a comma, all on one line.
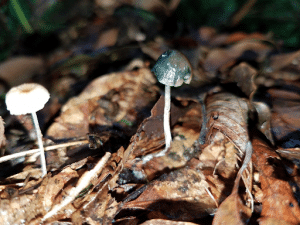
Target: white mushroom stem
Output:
[(167, 129), (40, 143)]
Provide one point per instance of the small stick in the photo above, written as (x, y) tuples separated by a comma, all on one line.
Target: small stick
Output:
[(83, 182), (48, 148)]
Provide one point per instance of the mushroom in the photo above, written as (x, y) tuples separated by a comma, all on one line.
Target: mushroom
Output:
[(29, 98), (172, 68)]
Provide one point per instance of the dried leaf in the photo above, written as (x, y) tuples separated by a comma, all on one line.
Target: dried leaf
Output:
[(165, 222), (279, 203), (228, 114), (285, 115), (151, 129), (20, 69), (180, 195), (221, 59), (122, 97), (244, 75), (264, 119), (289, 153), (220, 157), (232, 210), (278, 62)]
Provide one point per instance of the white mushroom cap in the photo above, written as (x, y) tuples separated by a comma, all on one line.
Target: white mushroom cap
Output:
[(26, 98)]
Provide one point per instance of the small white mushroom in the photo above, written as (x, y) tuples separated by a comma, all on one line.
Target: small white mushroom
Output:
[(171, 69), (29, 98)]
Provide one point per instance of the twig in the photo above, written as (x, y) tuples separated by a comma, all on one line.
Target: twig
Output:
[(242, 12), (48, 148), (83, 182)]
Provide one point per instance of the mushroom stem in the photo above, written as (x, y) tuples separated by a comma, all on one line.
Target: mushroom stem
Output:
[(167, 129), (40, 143)]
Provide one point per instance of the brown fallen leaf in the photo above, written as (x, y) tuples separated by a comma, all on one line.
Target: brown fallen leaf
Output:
[(47, 198), (118, 102), (280, 61), (289, 153), (228, 114), (279, 205), (150, 138), (219, 158), (285, 114), (232, 210), (151, 129), (243, 75), (18, 70), (264, 119), (101, 205), (221, 59), (181, 195), (166, 222)]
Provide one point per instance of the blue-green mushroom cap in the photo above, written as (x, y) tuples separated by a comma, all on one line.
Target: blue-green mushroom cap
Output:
[(173, 68)]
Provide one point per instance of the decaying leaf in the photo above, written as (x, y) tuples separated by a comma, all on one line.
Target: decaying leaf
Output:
[(166, 222), (221, 59), (289, 153), (228, 114), (243, 75), (278, 62), (279, 205), (105, 103), (233, 210), (264, 119), (56, 198), (285, 115), (152, 129), (181, 195)]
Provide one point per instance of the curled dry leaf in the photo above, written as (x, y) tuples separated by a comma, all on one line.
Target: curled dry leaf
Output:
[(289, 153), (243, 75), (264, 119), (279, 205), (228, 114)]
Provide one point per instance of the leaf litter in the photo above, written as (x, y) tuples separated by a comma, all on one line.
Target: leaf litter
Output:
[(234, 158)]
